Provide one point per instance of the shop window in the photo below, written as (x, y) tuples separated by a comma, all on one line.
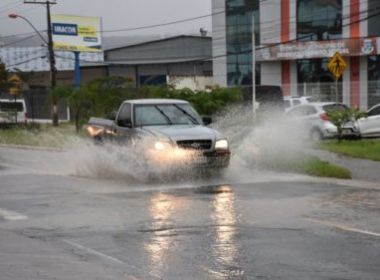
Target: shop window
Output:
[(373, 80), (314, 79), (319, 20), (239, 40), (373, 18)]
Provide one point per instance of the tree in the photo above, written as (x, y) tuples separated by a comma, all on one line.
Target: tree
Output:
[(3, 77), (76, 99), (341, 117)]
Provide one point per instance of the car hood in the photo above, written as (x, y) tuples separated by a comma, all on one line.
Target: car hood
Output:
[(182, 132)]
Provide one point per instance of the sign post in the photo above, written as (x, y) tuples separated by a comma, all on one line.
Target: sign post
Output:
[(336, 66), (77, 70), (15, 89)]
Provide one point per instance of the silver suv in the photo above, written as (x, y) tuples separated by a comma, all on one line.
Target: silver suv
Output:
[(311, 119), (171, 132)]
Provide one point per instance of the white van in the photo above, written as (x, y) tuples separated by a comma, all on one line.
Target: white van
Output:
[(13, 111)]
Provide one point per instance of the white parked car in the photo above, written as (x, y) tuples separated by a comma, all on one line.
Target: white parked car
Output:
[(311, 120), (12, 111), (370, 126), (291, 101)]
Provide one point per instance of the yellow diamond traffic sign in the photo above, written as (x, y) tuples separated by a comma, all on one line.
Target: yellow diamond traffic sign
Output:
[(16, 84), (337, 65)]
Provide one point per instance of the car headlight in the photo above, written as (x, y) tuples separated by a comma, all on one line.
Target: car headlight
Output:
[(221, 144), (160, 145), (94, 131)]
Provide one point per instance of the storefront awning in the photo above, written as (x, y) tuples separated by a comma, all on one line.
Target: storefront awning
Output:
[(319, 49)]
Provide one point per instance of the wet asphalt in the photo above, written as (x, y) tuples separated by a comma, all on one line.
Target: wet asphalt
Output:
[(264, 226)]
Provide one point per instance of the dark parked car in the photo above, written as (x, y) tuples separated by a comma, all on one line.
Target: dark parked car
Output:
[(268, 97)]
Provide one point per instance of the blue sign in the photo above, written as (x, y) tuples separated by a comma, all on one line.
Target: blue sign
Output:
[(65, 29)]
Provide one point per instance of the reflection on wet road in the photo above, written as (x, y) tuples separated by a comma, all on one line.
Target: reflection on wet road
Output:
[(224, 246), (169, 233), (162, 207)]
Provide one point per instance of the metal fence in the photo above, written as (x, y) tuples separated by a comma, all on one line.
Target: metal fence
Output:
[(368, 93), (38, 105)]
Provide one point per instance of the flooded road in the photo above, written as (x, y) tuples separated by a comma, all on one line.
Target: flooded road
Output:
[(248, 224)]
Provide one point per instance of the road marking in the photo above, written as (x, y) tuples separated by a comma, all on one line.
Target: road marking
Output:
[(11, 215), (344, 227), (92, 251)]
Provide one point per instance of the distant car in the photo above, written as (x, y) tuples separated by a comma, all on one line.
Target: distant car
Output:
[(312, 121), (370, 126), (12, 111), (291, 101)]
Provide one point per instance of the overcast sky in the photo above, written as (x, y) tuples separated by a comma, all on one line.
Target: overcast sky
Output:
[(116, 14)]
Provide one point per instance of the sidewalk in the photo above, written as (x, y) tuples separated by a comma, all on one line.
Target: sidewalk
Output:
[(361, 169)]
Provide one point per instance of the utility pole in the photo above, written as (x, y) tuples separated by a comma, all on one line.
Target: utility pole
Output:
[(53, 70), (253, 67)]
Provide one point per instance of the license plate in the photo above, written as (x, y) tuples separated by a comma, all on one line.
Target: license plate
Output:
[(201, 160)]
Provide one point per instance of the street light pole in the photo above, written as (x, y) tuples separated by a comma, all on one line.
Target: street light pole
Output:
[(53, 70), (14, 16)]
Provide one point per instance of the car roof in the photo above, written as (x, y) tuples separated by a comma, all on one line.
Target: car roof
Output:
[(373, 107), (12, 100), (296, 97), (316, 104), (313, 104), (156, 101)]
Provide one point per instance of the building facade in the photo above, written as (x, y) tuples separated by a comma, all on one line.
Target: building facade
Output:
[(170, 60), (294, 41)]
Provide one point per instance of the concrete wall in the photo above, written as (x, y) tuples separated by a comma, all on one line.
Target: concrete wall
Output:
[(177, 69), (173, 48)]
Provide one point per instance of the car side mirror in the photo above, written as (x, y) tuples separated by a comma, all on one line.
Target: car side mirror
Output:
[(124, 123), (207, 120)]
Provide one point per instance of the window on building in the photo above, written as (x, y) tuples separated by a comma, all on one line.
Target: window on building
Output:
[(373, 80), (319, 20), (373, 18), (314, 79), (239, 15)]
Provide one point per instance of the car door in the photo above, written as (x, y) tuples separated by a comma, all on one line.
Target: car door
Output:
[(370, 126)]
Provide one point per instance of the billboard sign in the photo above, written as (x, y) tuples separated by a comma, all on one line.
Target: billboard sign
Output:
[(76, 33)]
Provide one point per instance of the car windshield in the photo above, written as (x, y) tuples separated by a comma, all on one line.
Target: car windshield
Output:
[(11, 106), (165, 114)]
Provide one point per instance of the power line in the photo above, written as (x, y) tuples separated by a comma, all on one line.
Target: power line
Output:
[(18, 41), (161, 24), (26, 61)]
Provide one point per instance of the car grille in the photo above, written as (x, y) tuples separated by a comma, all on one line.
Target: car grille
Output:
[(195, 144)]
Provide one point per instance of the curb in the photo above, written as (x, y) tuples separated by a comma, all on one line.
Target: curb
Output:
[(36, 148)]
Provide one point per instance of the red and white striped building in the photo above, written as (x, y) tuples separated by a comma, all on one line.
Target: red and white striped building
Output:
[(295, 39)]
